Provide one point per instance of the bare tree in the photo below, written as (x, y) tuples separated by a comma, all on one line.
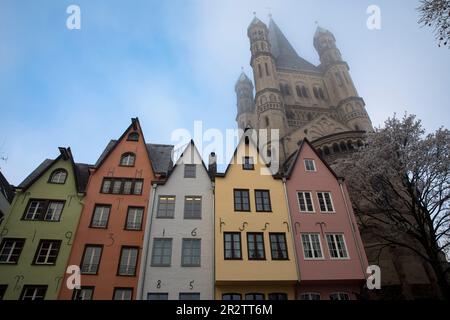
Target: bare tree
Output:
[(402, 179), (436, 14)]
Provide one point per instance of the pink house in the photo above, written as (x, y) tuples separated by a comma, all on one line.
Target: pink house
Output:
[(330, 255)]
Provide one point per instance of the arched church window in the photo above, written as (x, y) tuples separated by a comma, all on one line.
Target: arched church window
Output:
[(305, 92), (336, 148), (316, 93), (267, 69), (299, 91), (322, 96), (282, 89), (267, 121), (339, 79), (259, 70), (326, 150), (343, 146), (287, 89), (320, 152), (350, 145)]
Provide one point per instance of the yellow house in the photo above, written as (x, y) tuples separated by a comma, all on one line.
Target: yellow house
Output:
[(254, 251)]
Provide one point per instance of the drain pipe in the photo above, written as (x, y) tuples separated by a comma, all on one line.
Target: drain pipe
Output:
[(148, 226), (292, 230), (341, 182)]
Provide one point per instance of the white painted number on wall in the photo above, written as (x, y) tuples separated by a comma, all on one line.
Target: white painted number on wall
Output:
[(374, 20), (374, 279), (73, 21)]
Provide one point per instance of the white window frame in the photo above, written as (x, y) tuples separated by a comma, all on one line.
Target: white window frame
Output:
[(331, 200), (91, 259), (126, 253), (105, 210), (47, 255), (314, 165), (134, 211), (304, 199), (60, 205), (320, 244), (333, 235), (122, 292)]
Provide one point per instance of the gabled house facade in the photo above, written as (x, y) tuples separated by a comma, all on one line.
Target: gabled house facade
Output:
[(178, 251), (254, 249), (38, 233), (331, 258), (109, 238)]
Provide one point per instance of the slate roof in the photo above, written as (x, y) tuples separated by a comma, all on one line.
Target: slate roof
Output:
[(6, 189), (160, 156), (285, 55), (81, 172)]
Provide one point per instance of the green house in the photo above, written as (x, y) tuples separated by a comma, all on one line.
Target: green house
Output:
[(37, 235)]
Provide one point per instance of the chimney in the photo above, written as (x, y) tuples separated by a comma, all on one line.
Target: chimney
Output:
[(212, 165)]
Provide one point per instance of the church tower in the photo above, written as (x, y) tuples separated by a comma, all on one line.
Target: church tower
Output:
[(268, 100), (350, 106)]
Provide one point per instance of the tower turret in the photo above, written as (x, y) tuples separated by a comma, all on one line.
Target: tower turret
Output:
[(351, 106), (245, 102), (268, 100)]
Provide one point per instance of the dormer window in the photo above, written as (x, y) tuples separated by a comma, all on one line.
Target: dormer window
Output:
[(127, 159), (58, 176), (133, 136), (248, 163)]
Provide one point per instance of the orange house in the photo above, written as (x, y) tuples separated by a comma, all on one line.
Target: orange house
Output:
[(108, 242)]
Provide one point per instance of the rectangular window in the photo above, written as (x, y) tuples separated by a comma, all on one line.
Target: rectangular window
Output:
[(248, 164), (10, 250), (255, 245), (128, 261), (231, 296), (336, 246), (47, 252), (191, 253), (30, 292), (123, 294), (162, 252), (325, 202), (262, 199), (189, 296), (189, 170), (91, 259), (305, 201), (35, 210), (166, 207), (232, 244), (278, 246), (254, 296), (134, 218), (157, 296), (122, 186), (137, 190), (241, 200), (310, 165), (312, 248), (101, 216), (84, 293), (193, 207), (47, 210), (54, 210)]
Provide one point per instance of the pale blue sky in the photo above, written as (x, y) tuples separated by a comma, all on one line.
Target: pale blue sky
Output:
[(173, 62)]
